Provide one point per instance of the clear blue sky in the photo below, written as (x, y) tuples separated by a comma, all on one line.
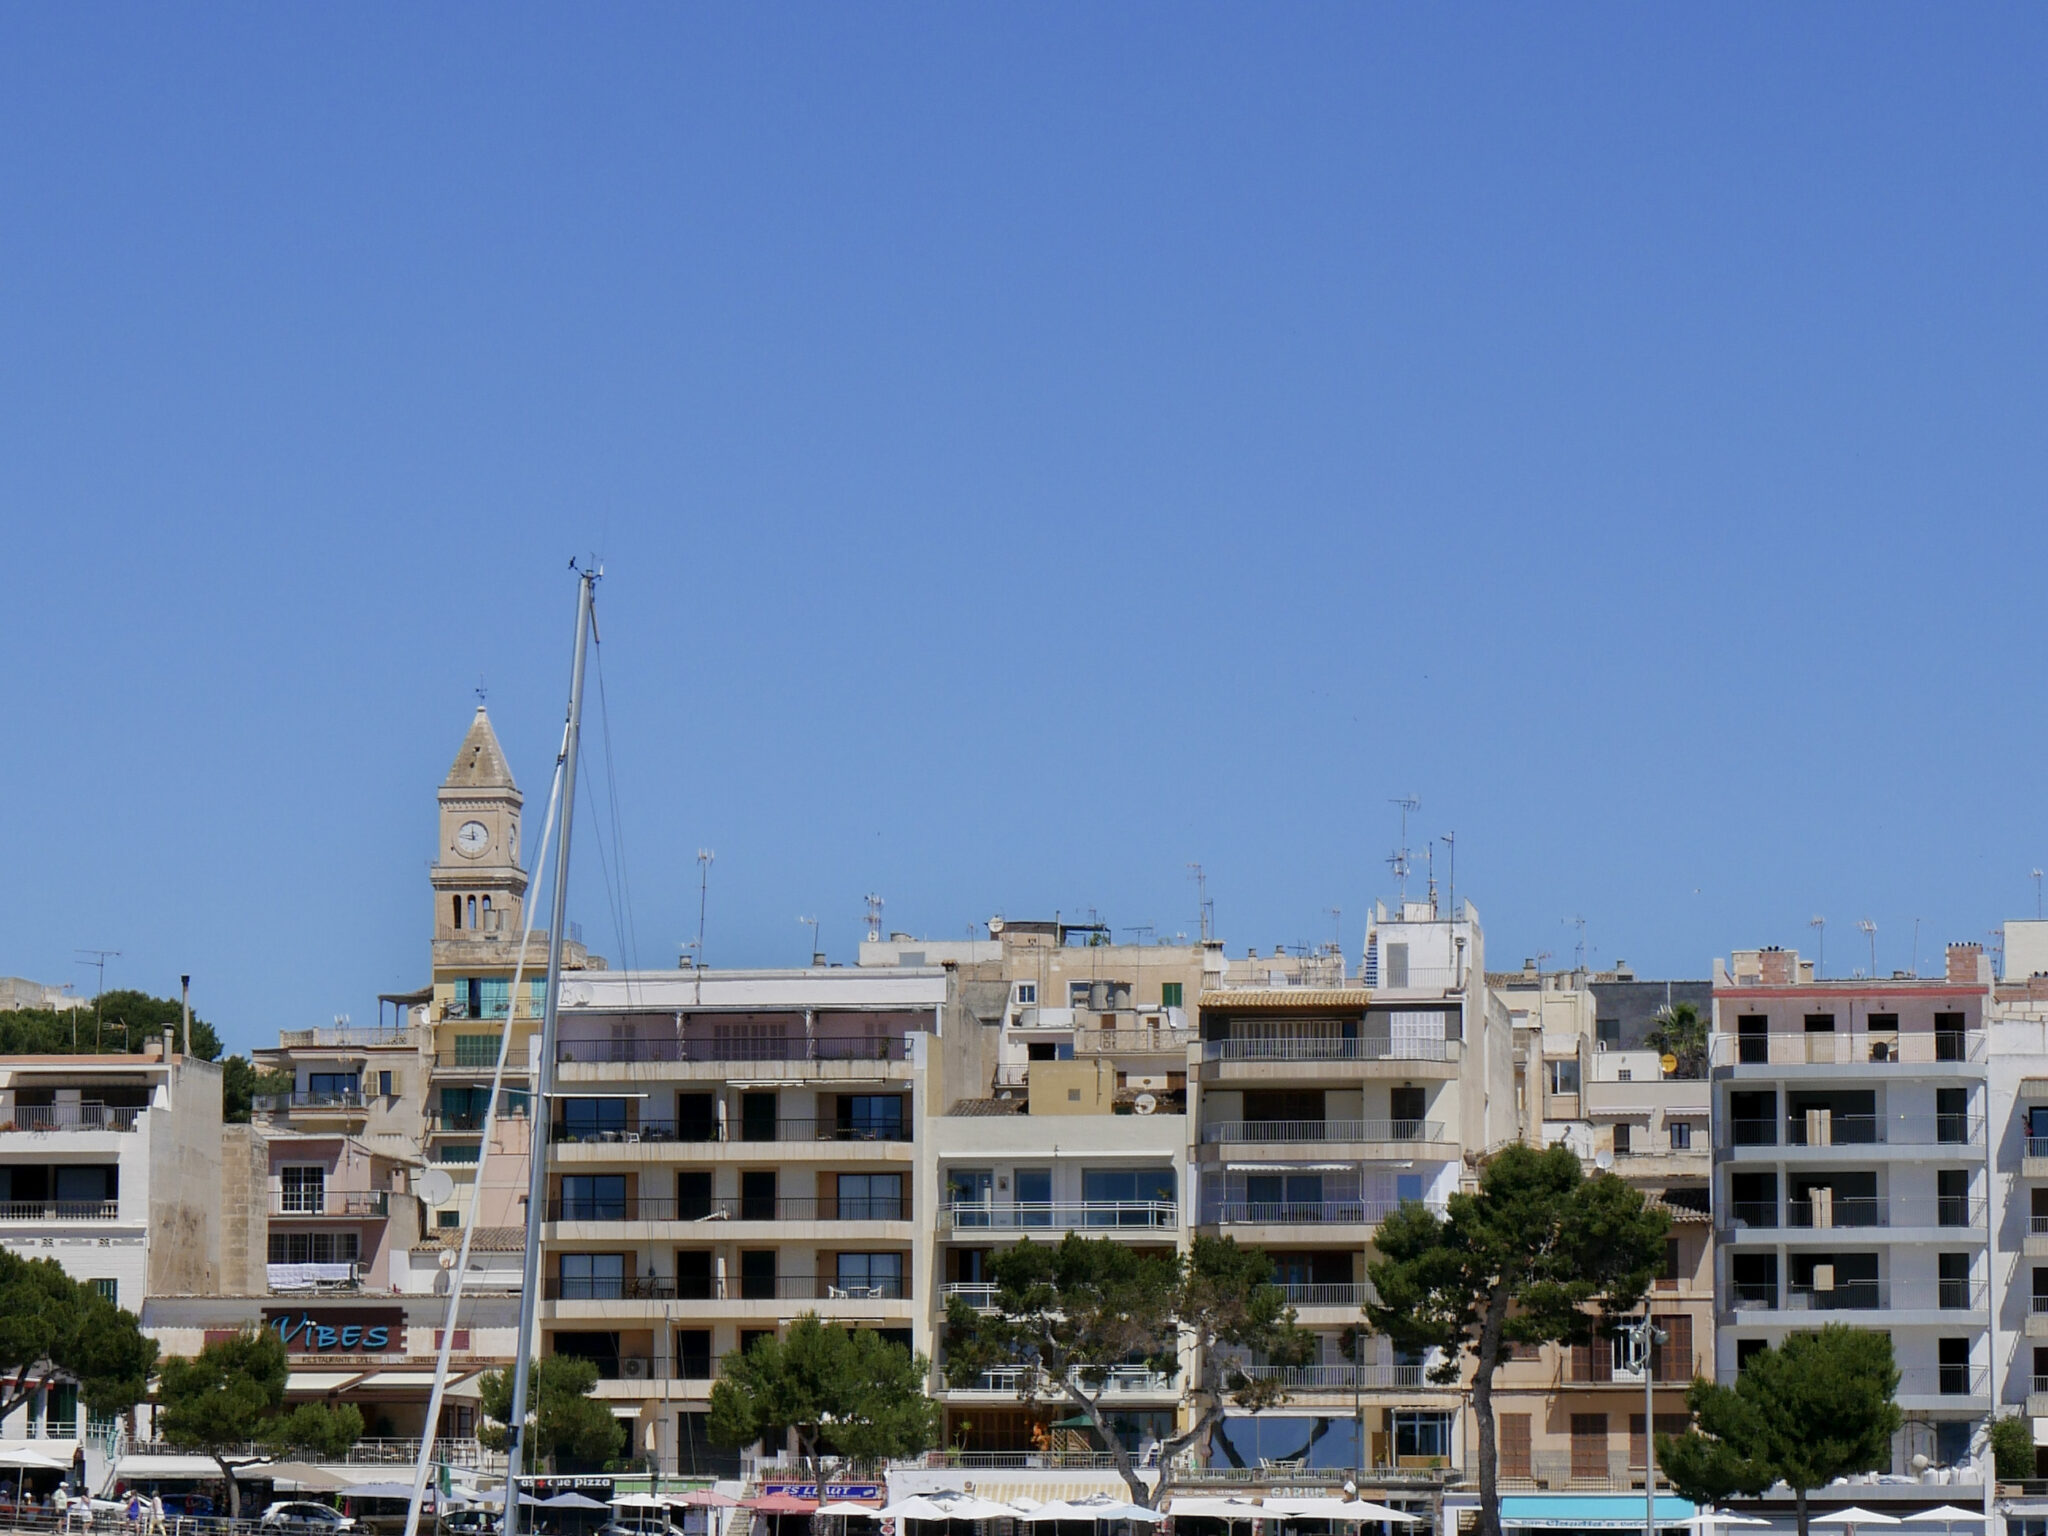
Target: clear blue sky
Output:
[(1033, 448)]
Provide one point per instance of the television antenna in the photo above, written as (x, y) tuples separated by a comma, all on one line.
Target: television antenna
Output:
[(1337, 928), (1204, 913), (2037, 894), (1451, 848), (812, 922), (874, 903), (1870, 931), (98, 962), (704, 858), (1819, 925), (1398, 860), (1579, 953)]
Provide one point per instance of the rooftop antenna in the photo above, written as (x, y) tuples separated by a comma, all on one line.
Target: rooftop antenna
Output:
[(1819, 925), (1429, 862), (704, 858), (1337, 927), (874, 917), (1998, 950), (1451, 848), (813, 923), (1870, 929), (1397, 861), (1578, 954), (1142, 930), (1916, 946), (99, 960), (2037, 895), (1203, 911)]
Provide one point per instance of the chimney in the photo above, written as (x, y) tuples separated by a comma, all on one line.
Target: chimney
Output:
[(185, 996), (1966, 964), (170, 1042), (1780, 967)]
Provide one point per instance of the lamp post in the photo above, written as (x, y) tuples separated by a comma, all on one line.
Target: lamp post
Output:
[(1644, 1336)]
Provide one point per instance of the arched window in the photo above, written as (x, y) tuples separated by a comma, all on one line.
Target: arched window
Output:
[(457, 903), (472, 912), (487, 914)]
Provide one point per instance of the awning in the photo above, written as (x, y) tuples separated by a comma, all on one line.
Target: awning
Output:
[(400, 1379), (133, 1467), (1580, 1511), (1047, 1491), (321, 1381)]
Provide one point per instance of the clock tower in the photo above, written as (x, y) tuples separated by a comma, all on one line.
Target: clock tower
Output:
[(479, 887)]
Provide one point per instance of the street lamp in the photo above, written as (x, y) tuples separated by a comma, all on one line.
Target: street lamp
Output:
[(1643, 1338)]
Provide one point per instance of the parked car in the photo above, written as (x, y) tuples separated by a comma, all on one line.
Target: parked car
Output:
[(302, 1517)]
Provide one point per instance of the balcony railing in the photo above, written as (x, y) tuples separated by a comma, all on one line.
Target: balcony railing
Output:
[(70, 1117), (455, 1122), (742, 1288), (1330, 1377), (345, 1037), (60, 1210), (1863, 1130), (1863, 1295), (1060, 1215), (330, 1202), (1304, 1212), (368, 1451), (2037, 1146), (1785, 1048), (737, 1048), (1237, 1131), (1753, 1213), (1349, 1293), (1131, 1042), (1945, 1381), (730, 1208), (344, 1101), (980, 1294), (1120, 1379), (740, 1130), (1330, 1048)]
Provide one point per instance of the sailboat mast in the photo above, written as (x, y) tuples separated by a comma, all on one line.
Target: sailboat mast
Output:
[(540, 1113)]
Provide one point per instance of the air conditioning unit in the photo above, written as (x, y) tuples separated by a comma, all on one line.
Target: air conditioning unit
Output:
[(1154, 1082), (632, 1369)]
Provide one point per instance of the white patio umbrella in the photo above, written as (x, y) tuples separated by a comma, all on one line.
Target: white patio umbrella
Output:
[(945, 1506), (1335, 1509), (1947, 1514), (1852, 1517), (845, 1508), (1099, 1506), (1204, 1508)]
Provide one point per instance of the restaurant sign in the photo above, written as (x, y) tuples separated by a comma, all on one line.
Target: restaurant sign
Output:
[(338, 1330), (599, 1488), (871, 1492)]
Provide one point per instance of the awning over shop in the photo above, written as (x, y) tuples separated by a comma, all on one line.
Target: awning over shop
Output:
[(131, 1468), (320, 1381), (405, 1378), (1584, 1511)]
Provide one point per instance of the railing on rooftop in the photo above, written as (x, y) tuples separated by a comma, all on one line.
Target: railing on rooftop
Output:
[(791, 1048), (1060, 1215), (1238, 1131), (345, 1036), (71, 1117), (1330, 1048)]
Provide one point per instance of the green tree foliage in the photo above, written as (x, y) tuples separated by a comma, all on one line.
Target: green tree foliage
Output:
[(1081, 1309), (563, 1422), (1529, 1259), (126, 1020), (1817, 1407), (2012, 1450), (844, 1390), (53, 1327), (1680, 1031), (228, 1400)]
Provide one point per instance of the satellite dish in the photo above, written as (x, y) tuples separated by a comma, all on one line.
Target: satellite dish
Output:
[(1668, 1062), (1144, 1104), (434, 1186), (1603, 1159)]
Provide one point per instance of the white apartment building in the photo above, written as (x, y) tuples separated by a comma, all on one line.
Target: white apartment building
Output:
[(1853, 1184)]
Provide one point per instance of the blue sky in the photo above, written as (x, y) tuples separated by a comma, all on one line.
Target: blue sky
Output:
[(1032, 448)]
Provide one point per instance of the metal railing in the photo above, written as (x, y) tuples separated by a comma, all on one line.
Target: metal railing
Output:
[(1330, 1048), (345, 1036), (1059, 1215), (1131, 1042), (1347, 1293), (368, 1451), (1851, 1211), (1117, 1380), (743, 1288), (737, 1048), (1863, 1130), (2037, 1146), (457, 1122), (287, 1103), (60, 1210), (1787, 1048), (980, 1294), (1863, 1295), (1945, 1381), (70, 1117), (730, 1208), (1332, 1377), (1235, 1131), (1304, 1212), (330, 1202), (649, 1129)]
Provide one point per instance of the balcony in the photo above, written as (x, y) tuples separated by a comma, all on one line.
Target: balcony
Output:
[(364, 1204), (1942, 1213), (741, 1048), (1944, 1386), (1351, 1294), (345, 1037), (71, 1117), (1131, 1042), (455, 1122), (1330, 1048), (2034, 1163), (1061, 1216), (1916, 1131), (60, 1210), (311, 1105), (730, 1208), (1862, 1296), (1340, 1377), (1238, 1132), (745, 1288), (1849, 1048), (1119, 1380), (1304, 1213), (743, 1130)]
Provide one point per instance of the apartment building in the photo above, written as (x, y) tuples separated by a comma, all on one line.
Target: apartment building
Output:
[(1574, 1416), (1853, 1182), (1319, 1103), (727, 1151)]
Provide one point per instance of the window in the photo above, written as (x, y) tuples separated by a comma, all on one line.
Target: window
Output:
[(1672, 1360), (1589, 1445), (1397, 965), (1421, 1434), (871, 1197), (1948, 1037), (1564, 1076), (695, 1279), (871, 1276), (1027, 994), (1748, 1349), (1955, 1366), (1126, 1197), (693, 1353), (749, 1337), (1608, 1033), (592, 1276), (757, 1194), (109, 1290), (1951, 1115), (589, 1119), (1622, 1134), (871, 1117), (314, 1247), (1034, 1197), (494, 995), (593, 1197), (1681, 1134), (1170, 994), (1952, 1197), (1514, 1445), (757, 1275), (334, 1085), (446, 1219), (302, 1191), (476, 1050), (384, 1085), (1952, 1289), (693, 1194)]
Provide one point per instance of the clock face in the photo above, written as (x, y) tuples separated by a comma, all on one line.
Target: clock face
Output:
[(472, 838)]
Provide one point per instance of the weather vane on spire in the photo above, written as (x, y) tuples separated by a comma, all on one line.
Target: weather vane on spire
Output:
[(482, 693)]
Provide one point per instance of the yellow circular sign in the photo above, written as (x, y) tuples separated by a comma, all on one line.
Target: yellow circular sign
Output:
[(1668, 1062)]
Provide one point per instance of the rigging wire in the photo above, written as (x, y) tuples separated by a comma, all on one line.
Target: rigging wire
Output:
[(629, 934)]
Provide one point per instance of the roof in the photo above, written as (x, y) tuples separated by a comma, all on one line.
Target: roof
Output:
[(1016, 1106), (488, 1240), (1681, 1215), (1247, 999), (480, 762)]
